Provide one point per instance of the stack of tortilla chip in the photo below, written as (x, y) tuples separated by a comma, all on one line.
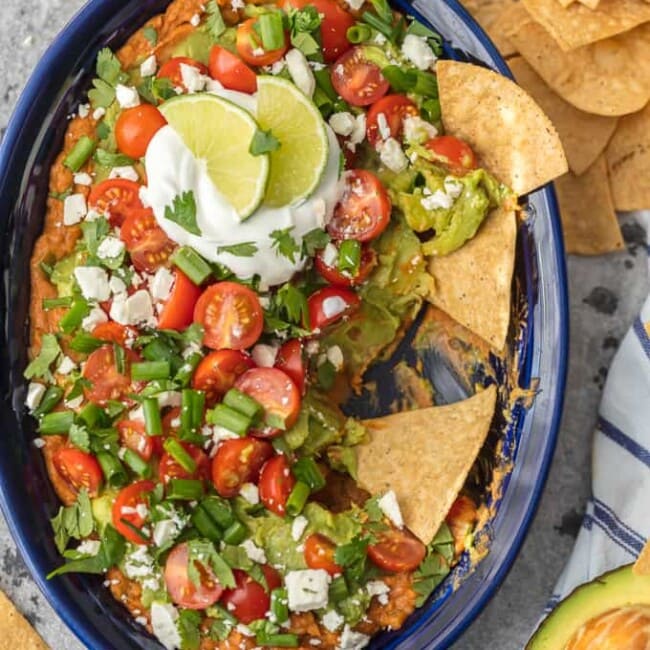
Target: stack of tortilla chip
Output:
[(587, 64)]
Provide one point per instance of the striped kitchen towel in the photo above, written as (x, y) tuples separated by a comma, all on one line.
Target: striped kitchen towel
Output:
[(617, 519)]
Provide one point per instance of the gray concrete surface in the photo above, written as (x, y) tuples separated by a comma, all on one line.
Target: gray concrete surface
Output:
[(606, 293)]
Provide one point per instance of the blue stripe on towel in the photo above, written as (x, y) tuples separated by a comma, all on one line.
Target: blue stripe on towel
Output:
[(640, 538), (624, 539), (589, 521), (622, 439), (642, 335)]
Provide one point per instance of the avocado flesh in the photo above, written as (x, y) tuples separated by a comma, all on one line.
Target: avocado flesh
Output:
[(614, 590)]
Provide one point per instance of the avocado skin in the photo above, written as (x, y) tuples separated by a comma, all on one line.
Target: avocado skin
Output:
[(613, 590)]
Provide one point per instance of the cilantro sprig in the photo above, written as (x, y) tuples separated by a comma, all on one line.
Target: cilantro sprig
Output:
[(284, 244), (183, 212)]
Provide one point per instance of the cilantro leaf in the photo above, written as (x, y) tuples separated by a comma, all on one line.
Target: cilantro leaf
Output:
[(40, 365), (102, 95), (306, 43), (433, 39), (79, 437), (150, 34), (244, 249), (75, 521), (304, 20), (183, 212), (215, 24), (284, 244), (108, 67), (223, 623), (292, 303), (204, 552), (326, 374), (189, 622), (108, 159), (263, 142), (155, 90), (314, 240), (435, 566)]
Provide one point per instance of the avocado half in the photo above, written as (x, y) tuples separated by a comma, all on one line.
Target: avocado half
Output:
[(619, 591)]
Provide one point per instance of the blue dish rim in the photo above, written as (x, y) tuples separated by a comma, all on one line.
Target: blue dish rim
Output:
[(57, 598)]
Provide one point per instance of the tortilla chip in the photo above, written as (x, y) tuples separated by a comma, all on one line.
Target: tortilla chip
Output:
[(565, 3), (592, 4), (473, 284), (611, 77), (578, 25), (589, 221), (425, 456), (15, 631), (506, 128), (628, 159), (583, 135), (642, 565), (486, 13)]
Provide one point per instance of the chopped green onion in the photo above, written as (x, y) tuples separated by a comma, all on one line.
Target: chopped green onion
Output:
[(56, 423), (377, 23), (243, 403), (185, 372), (297, 499), (271, 30), (135, 530), (430, 110), (137, 464), (114, 471), (323, 102), (383, 10), (202, 521), (306, 470), (426, 84), (150, 370), (219, 510), (80, 153), (72, 319), (178, 453), (152, 420), (359, 33), (92, 415), (192, 403), (236, 533), (53, 303), (184, 489), (349, 257), (281, 446), (85, 343), (120, 358), (277, 640), (46, 268), (280, 605), (51, 398), (338, 590), (192, 264), (324, 82), (228, 418)]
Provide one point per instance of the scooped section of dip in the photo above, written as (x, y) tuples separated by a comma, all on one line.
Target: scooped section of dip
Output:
[(247, 247)]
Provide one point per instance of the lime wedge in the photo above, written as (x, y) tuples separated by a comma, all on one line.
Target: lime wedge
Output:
[(297, 166), (220, 132)]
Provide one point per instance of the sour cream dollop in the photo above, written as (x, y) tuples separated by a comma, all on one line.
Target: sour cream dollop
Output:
[(172, 169)]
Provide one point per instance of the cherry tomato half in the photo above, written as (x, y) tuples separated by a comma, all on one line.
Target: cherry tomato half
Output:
[(238, 461), (290, 361), (394, 108), (79, 470), (342, 279), (249, 45), (181, 588), (106, 382), (172, 70), (278, 395), (359, 81), (230, 71), (131, 506), (329, 304), (112, 332), (397, 551), (116, 198), (453, 153), (461, 519), (170, 468), (217, 372), (276, 483), (178, 311), (133, 436), (249, 601), (333, 28), (231, 315), (147, 243), (319, 554), (135, 127), (363, 212)]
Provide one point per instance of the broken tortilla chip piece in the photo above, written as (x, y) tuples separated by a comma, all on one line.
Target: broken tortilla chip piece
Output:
[(15, 631), (628, 159), (589, 221), (642, 565), (479, 296), (611, 77), (425, 456), (579, 25), (592, 4), (508, 131), (486, 14), (583, 135)]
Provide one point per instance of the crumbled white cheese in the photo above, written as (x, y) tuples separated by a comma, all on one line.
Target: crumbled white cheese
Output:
[(264, 355), (389, 506), (298, 527), (237, 4), (380, 589), (39, 443), (250, 492), (161, 283), (164, 532), (136, 309), (453, 187), (392, 156), (126, 171), (169, 398), (342, 123), (89, 547), (417, 130), (307, 589), (98, 113), (382, 126), (351, 640), (277, 67), (110, 248), (83, 110), (254, 552), (192, 78), (93, 282), (142, 195), (149, 66), (358, 133), (35, 392), (66, 366), (332, 620), (75, 402), (417, 51), (335, 356), (330, 254), (127, 96), (163, 623), (195, 20), (116, 284), (96, 316), (82, 178), (300, 71), (74, 209), (438, 199), (333, 306), (355, 5)]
